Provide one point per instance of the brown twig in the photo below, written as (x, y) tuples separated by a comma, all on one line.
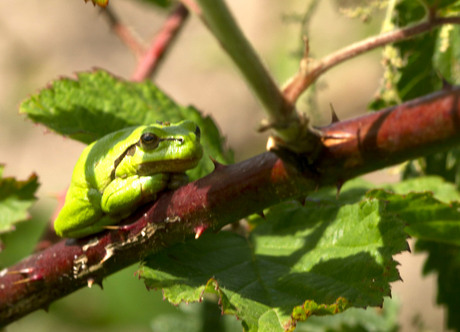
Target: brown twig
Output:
[(122, 31), (311, 70), (232, 192), (217, 17), (149, 61)]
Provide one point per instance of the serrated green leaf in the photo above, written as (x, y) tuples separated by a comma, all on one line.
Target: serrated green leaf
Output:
[(426, 218), (16, 197), (442, 190), (356, 320), (97, 103), (303, 260), (356, 189), (436, 226), (440, 223), (293, 238), (445, 6), (195, 317), (427, 205)]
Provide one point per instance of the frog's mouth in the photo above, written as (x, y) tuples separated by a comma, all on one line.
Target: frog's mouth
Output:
[(167, 166)]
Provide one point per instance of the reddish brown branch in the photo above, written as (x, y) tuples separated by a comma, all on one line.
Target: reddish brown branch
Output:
[(122, 31), (161, 43), (232, 192), (311, 70), (192, 6)]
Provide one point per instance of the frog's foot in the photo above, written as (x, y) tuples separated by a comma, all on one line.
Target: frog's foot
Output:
[(92, 229)]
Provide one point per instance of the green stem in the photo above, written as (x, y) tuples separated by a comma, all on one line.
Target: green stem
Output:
[(220, 22)]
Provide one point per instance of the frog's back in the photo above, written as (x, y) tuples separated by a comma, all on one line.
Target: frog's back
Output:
[(94, 168)]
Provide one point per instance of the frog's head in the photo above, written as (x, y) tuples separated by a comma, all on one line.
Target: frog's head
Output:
[(163, 148)]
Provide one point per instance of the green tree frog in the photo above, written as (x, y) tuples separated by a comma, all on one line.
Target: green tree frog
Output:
[(123, 170)]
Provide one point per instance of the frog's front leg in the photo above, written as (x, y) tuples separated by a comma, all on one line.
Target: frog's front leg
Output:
[(122, 195)]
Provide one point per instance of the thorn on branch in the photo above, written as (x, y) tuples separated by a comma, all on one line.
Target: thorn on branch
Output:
[(334, 117), (217, 165), (339, 187), (92, 281), (446, 85), (199, 230)]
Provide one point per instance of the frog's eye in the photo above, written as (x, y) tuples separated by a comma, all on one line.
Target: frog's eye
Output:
[(149, 141)]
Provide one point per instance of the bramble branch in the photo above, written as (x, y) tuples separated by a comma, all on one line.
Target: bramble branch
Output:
[(348, 149), (311, 70), (123, 32), (150, 60)]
